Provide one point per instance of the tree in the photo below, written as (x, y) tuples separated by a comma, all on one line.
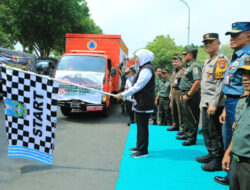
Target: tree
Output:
[(202, 55), (227, 51), (164, 48), (41, 25), (5, 41)]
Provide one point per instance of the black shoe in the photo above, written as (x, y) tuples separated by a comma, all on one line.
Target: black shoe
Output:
[(221, 180), (204, 159), (182, 137), (133, 150), (188, 143), (139, 155), (128, 124), (173, 129), (213, 165), (180, 133)]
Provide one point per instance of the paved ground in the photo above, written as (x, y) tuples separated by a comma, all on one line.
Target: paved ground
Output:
[(88, 150)]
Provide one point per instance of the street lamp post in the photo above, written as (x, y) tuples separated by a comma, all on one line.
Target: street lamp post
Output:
[(188, 18)]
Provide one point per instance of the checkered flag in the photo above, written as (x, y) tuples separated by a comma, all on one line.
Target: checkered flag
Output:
[(30, 115)]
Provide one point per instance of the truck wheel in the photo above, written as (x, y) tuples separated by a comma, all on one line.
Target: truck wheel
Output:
[(66, 111), (106, 111)]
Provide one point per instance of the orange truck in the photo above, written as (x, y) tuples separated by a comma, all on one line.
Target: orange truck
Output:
[(90, 60)]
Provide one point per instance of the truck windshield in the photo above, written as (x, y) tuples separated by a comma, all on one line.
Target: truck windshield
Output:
[(82, 63)]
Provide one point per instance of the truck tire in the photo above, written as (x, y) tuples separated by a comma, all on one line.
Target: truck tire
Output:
[(66, 111)]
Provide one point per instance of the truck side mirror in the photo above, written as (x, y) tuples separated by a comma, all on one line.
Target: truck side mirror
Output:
[(113, 72)]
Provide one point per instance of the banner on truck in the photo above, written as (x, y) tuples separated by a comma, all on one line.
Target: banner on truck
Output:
[(88, 79)]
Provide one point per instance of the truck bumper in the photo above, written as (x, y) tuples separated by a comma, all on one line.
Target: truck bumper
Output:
[(80, 105)]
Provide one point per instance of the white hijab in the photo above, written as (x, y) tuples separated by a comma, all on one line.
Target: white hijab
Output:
[(144, 56)]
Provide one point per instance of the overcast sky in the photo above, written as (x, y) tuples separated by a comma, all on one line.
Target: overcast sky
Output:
[(140, 21)]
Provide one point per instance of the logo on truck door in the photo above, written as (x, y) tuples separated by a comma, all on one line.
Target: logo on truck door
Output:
[(91, 45)]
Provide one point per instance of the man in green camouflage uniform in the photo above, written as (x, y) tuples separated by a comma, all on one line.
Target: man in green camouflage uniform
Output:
[(240, 143), (164, 101), (190, 98), (158, 75)]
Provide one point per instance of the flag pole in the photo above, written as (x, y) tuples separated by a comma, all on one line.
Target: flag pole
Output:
[(61, 81)]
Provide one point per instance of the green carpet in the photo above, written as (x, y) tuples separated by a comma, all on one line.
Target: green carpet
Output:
[(170, 166)]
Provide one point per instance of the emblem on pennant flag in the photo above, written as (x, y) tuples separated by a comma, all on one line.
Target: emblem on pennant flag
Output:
[(14, 108)]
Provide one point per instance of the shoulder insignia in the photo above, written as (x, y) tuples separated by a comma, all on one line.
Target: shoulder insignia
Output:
[(195, 71), (247, 60), (222, 62), (193, 64), (220, 68)]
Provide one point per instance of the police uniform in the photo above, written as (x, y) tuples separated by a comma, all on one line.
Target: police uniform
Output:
[(240, 174), (164, 110), (175, 98), (211, 95), (190, 109), (232, 87)]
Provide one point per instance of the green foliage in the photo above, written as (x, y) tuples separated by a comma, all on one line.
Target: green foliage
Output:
[(5, 40), (164, 48), (227, 51), (41, 25), (202, 55)]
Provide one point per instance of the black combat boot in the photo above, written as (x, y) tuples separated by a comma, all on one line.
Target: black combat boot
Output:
[(204, 159), (213, 165)]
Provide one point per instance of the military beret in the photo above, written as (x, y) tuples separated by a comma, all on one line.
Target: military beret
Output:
[(165, 71), (177, 56), (192, 51), (210, 36), (239, 27)]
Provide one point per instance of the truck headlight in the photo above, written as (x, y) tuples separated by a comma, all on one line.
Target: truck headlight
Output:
[(104, 98)]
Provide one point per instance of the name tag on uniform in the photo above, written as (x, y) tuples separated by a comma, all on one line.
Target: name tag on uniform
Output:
[(236, 64), (227, 80), (176, 81)]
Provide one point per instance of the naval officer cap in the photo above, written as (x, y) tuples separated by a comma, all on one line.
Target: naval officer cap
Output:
[(239, 27)]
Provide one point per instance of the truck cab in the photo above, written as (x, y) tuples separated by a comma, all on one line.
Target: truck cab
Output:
[(88, 67)]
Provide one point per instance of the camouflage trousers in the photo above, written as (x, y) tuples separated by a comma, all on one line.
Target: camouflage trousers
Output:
[(165, 117)]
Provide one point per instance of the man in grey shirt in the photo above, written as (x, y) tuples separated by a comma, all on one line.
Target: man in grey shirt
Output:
[(212, 102)]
